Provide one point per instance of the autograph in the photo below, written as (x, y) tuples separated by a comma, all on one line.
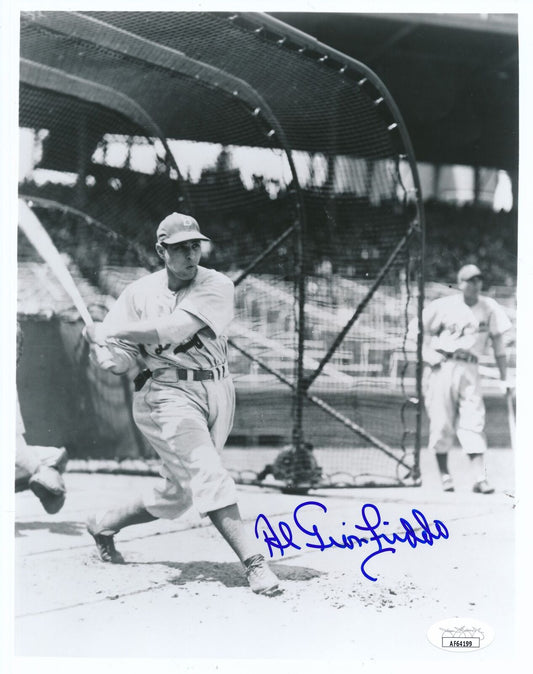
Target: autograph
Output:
[(283, 538)]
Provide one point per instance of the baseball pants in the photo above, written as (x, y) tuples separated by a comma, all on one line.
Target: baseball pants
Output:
[(28, 458), (187, 424), (454, 404)]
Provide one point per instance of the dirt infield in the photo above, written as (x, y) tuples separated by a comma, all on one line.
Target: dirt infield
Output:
[(182, 595)]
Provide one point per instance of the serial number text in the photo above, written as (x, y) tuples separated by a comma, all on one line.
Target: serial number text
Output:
[(448, 642)]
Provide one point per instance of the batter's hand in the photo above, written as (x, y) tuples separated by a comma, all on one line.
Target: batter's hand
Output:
[(99, 352), (103, 358), (95, 334)]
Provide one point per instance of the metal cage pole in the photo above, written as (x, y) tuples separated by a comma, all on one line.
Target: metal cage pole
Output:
[(420, 336), (301, 279), (300, 38)]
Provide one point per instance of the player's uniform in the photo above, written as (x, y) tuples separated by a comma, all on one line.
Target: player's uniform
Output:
[(36, 467), (456, 336), (185, 409)]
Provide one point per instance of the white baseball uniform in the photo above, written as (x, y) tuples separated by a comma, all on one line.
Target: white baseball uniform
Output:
[(186, 421), (456, 336)]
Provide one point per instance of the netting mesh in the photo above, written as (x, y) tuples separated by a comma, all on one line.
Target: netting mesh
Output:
[(294, 164)]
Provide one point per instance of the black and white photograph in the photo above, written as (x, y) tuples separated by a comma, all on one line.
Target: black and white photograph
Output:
[(261, 270)]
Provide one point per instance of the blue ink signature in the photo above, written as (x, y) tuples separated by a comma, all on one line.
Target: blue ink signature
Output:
[(283, 538)]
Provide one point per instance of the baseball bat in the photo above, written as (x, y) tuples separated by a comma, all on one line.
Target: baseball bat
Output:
[(37, 235), (43, 244)]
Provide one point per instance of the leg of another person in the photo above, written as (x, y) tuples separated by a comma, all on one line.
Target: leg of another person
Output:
[(441, 410)]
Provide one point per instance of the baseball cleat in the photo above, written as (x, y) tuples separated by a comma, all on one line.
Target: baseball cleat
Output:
[(105, 543), (260, 578), (483, 487), (47, 484), (447, 483)]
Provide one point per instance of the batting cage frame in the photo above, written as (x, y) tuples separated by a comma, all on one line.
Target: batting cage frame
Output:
[(79, 68)]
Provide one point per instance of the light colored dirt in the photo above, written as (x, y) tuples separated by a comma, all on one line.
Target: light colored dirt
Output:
[(182, 595)]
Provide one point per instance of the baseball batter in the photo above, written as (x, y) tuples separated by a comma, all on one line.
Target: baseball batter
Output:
[(175, 321), (458, 330)]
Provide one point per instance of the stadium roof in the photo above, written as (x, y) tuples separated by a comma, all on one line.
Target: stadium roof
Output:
[(453, 76)]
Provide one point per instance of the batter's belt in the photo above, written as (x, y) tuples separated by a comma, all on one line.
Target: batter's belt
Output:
[(172, 375)]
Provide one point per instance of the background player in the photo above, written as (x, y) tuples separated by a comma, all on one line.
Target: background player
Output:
[(38, 468), (175, 320), (457, 331)]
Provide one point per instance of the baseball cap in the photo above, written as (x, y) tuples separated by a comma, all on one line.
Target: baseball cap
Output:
[(177, 227), (468, 272)]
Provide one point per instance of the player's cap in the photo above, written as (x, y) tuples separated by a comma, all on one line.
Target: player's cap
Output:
[(468, 272), (176, 228)]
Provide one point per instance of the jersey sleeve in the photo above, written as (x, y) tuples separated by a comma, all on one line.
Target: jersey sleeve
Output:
[(212, 302), (498, 320), (432, 319), (122, 311)]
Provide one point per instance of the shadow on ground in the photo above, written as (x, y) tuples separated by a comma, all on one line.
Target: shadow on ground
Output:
[(229, 574), (65, 528)]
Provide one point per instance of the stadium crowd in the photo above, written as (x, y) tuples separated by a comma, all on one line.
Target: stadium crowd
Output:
[(244, 226)]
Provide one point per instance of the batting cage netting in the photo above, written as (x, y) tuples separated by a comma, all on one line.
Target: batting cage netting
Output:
[(295, 161)]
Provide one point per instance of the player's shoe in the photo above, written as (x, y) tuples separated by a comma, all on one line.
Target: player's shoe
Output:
[(447, 483), (260, 578), (47, 484), (483, 487), (105, 543)]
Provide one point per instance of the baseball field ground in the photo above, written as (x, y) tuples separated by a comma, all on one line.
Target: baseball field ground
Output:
[(182, 596)]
